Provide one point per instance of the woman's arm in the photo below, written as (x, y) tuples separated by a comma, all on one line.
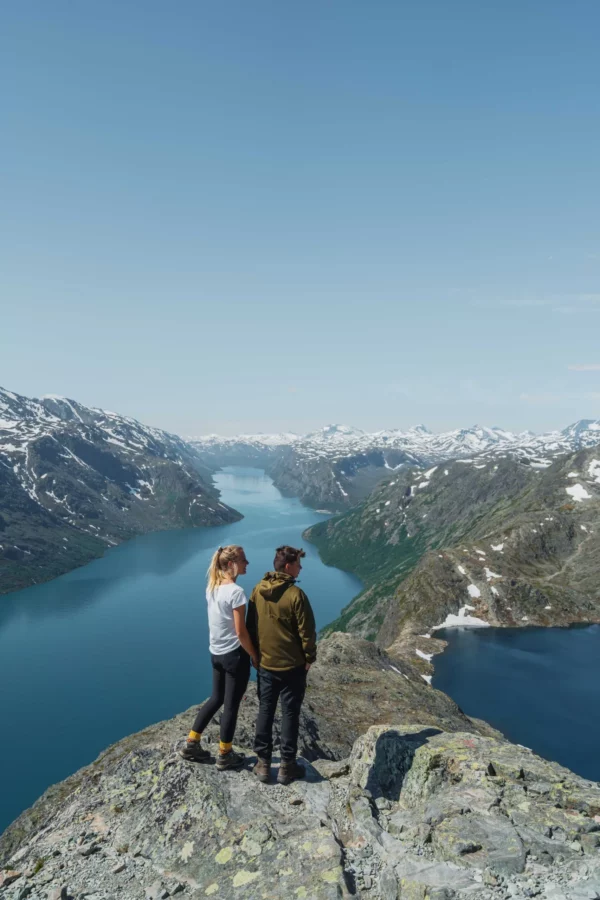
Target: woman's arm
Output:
[(242, 633)]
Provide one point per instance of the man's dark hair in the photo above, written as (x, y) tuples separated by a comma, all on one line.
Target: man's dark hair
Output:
[(285, 555)]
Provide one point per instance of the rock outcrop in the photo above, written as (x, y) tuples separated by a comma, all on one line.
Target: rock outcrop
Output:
[(413, 813), (405, 797), (352, 686)]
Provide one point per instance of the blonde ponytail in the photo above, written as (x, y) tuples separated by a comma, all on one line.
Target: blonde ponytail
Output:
[(222, 564)]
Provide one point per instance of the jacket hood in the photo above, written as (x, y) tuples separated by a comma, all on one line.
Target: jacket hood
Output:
[(274, 584)]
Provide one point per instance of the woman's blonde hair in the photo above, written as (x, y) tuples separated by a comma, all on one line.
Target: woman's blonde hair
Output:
[(222, 564)]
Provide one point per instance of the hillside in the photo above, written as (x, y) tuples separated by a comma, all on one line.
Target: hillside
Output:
[(501, 542), (75, 481)]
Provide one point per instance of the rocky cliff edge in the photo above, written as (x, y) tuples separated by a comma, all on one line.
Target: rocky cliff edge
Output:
[(413, 810)]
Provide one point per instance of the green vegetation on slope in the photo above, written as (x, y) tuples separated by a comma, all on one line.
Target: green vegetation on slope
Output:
[(543, 572)]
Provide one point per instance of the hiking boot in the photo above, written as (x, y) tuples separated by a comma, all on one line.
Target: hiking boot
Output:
[(230, 760), (262, 770), (194, 751), (289, 770)]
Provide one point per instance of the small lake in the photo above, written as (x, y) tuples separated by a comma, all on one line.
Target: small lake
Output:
[(539, 686), (122, 643)]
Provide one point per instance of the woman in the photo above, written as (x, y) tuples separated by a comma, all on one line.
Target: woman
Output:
[(231, 650)]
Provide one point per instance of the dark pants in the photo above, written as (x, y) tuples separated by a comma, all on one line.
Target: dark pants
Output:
[(290, 686), (231, 673)]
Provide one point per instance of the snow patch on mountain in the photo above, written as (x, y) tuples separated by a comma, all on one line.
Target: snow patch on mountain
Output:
[(578, 493), (594, 470)]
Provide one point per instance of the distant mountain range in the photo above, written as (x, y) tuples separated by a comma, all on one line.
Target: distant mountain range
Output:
[(75, 480), (339, 465)]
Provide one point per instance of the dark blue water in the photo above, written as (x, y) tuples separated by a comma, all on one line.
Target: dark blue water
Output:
[(121, 643), (539, 686)]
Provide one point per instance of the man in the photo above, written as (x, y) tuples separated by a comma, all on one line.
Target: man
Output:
[(281, 624)]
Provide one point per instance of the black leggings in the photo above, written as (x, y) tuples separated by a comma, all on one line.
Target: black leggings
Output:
[(231, 673)]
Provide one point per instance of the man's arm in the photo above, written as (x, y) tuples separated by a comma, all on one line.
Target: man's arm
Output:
[(252, 622), (306, 628)]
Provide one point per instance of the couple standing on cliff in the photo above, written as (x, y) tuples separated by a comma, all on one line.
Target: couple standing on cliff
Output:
[(278, 635)]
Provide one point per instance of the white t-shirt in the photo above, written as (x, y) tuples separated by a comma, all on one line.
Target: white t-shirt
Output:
[(221, 603)]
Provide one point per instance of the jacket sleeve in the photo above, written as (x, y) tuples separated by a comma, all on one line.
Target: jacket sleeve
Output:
[(306, 627), (252, 621)]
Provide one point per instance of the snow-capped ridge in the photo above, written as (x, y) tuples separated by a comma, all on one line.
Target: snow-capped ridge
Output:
[(339, 430), (280, 439), (420, 446)]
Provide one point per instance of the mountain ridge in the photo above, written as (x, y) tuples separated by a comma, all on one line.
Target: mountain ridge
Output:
[(339, 465), (469, 543)]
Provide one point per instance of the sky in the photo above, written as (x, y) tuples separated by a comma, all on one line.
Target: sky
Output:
[(265, 216)]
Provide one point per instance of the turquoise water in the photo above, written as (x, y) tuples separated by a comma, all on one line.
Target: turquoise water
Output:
[(539, 686), (122, 642)]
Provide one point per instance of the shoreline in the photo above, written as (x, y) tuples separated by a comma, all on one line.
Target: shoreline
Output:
[(511, 676), (437, 650), (106, 549)]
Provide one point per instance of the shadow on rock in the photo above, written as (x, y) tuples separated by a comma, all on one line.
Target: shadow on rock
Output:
[(382, 768)]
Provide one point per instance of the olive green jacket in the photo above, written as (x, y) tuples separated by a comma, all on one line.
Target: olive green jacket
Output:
[(281, 623)]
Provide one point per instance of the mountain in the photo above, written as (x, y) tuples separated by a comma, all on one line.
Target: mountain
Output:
[(338, 466), (493, 542), (75, 480), (242, 450), (404, 797)]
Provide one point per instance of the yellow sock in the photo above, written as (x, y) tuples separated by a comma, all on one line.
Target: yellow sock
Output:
[(225, 747), (194, 736)]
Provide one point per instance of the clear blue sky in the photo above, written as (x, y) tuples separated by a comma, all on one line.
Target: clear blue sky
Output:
[(264, 215)]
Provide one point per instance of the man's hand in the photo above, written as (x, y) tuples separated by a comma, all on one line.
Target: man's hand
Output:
[(307, 666), (255, 661)]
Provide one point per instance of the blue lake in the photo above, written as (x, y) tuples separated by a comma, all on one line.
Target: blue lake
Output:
[(539, 686), (122, 642)]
